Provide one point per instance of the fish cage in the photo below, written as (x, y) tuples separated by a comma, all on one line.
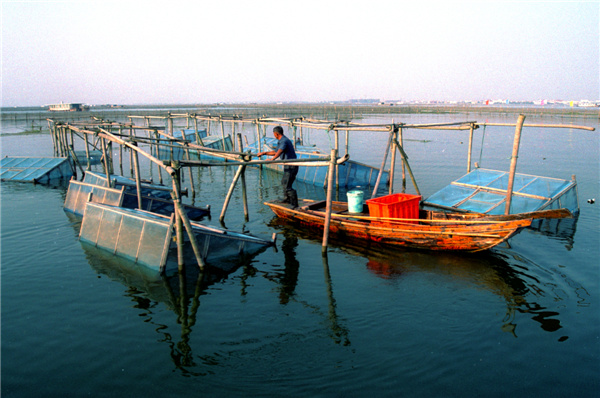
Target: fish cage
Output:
[(34, 170), (485, 191)]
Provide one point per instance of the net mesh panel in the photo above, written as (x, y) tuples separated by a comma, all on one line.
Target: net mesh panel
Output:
[(24, 169), (78, 194), (127, 233), (530, 193)]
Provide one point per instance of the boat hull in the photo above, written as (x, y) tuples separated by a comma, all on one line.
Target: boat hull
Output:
[(460, 236)]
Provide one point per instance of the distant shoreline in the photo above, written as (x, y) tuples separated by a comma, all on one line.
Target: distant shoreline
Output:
[(328, 111)]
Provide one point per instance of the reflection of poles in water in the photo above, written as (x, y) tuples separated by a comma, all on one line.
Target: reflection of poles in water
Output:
[(340, 333), (181, 353)]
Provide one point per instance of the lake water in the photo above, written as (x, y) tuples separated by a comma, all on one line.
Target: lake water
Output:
[(522, 320)]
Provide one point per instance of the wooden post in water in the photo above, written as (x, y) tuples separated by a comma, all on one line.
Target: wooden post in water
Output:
[(329, 196), (170, 124), (160, 179), (59, 141), (138, 183), (232, 137), (59, 145), (393, 161), (109, 148), (470, 147), (121, 152), (347, 146), (238, 173), (405, 161), (76, 161), (258, 140), (513, 163), (52, 129), (106, 169), (222, 132), (187, 155), (385, 155), (87, 151), (178, 219), (181, 218), (401, 143), (337, 150), (198, 139), (244, 195), (293, 135), (130, 153)]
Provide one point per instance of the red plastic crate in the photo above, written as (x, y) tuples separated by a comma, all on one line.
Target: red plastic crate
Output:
[(397, 205)]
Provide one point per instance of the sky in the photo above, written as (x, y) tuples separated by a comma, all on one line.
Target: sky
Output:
[(198, 52)]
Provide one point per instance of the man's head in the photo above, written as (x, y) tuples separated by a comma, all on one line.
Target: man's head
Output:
[(277, 131)]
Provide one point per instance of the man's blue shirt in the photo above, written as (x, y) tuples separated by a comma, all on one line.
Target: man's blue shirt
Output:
[(288, 148)]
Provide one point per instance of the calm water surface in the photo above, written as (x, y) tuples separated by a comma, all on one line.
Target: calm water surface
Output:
[(520, 320)]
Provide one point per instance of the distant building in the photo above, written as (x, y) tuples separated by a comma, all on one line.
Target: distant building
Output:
[(72, 107), (365, 101)]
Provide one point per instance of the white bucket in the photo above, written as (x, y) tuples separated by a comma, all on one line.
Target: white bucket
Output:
[(355, 201)]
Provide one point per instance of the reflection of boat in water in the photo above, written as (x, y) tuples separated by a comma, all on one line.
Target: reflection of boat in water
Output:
[(505, 274)]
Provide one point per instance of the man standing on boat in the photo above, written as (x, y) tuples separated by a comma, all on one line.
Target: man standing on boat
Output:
[(285, 150)]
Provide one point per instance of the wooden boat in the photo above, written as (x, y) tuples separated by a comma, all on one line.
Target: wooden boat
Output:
[(431, 231)]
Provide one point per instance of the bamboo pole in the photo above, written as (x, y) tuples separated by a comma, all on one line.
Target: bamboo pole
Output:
[(393, 164), (51, 128), (108, 144), (121, 154), (385, 155), (106, 169), (470, 148), (337, 150), (232, 137), (405, 161), (76, 160), (178, 219), (138, 183), (244, 195), (130, 154), (401, 142), (294, 135), (198, 139), (563, 126), (170, 125), (347, 138), (238, 173), (61, 141), (112, 137), (87, 151), (182, 218), (187, 154), (329, 200), (222, 132), (513, 162), (258, 138)]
